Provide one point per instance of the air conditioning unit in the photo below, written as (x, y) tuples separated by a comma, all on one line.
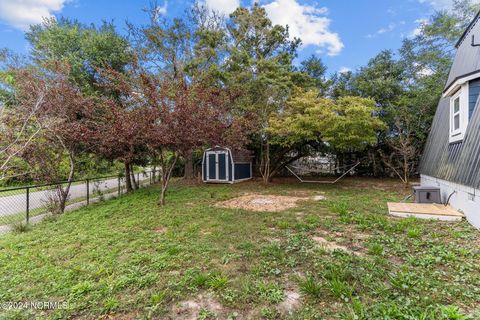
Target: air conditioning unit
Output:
[(427, 194)]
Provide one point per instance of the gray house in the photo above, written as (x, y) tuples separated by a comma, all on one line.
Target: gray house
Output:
[(451, 159)]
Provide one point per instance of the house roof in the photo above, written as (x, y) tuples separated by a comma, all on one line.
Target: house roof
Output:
[(467, 57), (467, 31)]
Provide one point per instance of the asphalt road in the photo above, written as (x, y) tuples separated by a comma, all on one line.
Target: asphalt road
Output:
[(10, 205)]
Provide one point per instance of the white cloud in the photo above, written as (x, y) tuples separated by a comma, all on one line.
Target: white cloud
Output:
[(344, 70), (22, 13), (381, 31), (161, 10), (439, 4), (222, 6), (442, 4), (306, 22), (420, 24)]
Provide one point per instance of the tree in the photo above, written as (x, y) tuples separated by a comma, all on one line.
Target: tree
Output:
[(312, 75), (259, 65), (87, 50), (345, 125), (169, 117), (49, 120), (19, 129), (184, 50)]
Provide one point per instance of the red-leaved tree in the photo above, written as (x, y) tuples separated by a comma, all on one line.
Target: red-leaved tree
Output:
[(61, 124), (173, 117)]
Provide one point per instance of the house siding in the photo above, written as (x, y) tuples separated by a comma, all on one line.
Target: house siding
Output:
[(457, 162), (473, 92)]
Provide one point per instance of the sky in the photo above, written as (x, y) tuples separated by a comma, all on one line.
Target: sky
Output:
[(344, 33)]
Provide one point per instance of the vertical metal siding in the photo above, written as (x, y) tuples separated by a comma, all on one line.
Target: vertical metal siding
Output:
[(457, 162)]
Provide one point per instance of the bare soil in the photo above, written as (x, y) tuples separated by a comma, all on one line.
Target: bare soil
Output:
[(291, 302), (258, 202), (332, 246), (190, 309)]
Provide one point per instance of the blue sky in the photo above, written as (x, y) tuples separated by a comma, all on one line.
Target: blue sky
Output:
[(345, 33)]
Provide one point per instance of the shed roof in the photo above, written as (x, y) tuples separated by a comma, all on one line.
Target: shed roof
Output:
[(238, 155)]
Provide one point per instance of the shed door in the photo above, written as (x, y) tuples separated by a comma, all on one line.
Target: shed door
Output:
[(212, 166), (217, 166), (222, 166)]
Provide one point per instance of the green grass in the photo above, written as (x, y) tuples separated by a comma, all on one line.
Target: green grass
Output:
[(21, 216), (128, 258)]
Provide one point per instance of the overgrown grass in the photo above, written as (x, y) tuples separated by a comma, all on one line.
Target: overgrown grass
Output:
[(128, 258)]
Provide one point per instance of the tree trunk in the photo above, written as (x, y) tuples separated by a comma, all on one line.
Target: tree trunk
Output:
[(166, 174), (188, 171), (154, 174), (128, 182), (134, 181), (265, 163), (63, 193), (374, 163), (406, 174)]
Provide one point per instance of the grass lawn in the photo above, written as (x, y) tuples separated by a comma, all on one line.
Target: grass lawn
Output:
[(341, 258)]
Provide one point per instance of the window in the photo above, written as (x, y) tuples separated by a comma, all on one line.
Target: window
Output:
[(458, 114)]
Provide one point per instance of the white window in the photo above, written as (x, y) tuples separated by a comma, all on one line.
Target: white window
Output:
[(459, 114)]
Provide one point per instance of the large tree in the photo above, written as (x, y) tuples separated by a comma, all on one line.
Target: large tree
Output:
[(86, 49), (259, 66), (185, 50), (335, 126), (168, 118), (49, 121)]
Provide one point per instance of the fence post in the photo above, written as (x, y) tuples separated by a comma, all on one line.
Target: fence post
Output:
[(27, 218), (88, 192), (119, 187), (150, 176), (138, 180)]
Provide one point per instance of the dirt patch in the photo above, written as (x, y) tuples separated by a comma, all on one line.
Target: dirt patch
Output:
[(160, 230), (190, 309), (257, 202), (332, 246), (291, 302)]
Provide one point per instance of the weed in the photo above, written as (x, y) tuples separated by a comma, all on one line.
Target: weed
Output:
[(270, 292), (205, 314), (414, 232), (375, 249), (20, 227), (453, 313), (110, 304), (310, 286), (157, 298), (217, 281), (340, 289)]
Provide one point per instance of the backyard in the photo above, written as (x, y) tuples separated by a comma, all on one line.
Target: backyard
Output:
[(335, 255)]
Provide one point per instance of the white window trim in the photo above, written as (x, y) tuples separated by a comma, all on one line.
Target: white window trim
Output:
[(463, 94)]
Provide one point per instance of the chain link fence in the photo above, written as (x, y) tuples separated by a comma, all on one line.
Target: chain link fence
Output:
[(31, 204)]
